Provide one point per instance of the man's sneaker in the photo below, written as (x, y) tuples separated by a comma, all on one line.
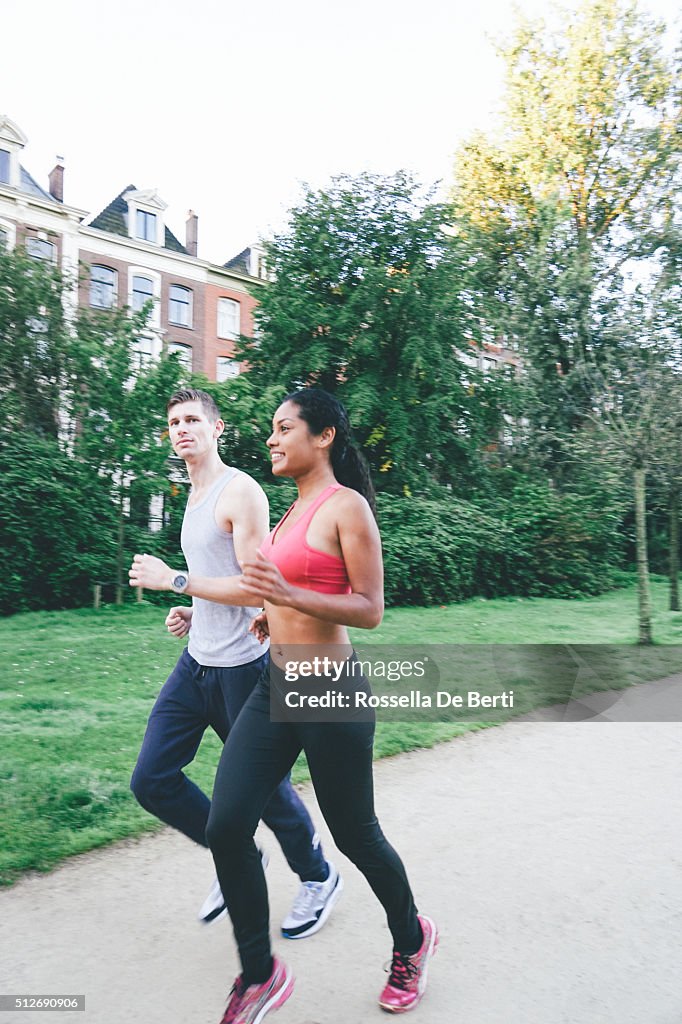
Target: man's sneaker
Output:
[(213, 908), (312, 906), (250, 1005), (407, 980)]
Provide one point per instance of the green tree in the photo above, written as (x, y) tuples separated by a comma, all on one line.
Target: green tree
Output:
[(34, 342), (578, 182), (635, 400), (118, 415), (364, 302)]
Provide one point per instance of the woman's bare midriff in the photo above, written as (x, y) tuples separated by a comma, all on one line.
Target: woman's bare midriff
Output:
[(295, 636)]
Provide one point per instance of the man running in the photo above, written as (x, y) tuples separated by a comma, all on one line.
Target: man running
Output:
[(226, 520)]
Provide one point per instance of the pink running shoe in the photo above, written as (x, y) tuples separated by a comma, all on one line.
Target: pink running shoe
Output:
[(407, 980), (249, 1005)]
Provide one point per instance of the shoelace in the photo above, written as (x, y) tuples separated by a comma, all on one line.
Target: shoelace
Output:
[(235, 998), (403, 970), (307, 895)]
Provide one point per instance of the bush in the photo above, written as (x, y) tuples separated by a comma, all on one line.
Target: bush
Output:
[(436, 550), (536, 543), (58, 529), (560, 545)]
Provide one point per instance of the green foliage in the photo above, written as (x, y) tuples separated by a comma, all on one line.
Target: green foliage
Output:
[(434, 550), (365, 303), (535, 542), (579, 181), (34, 343), (84, 453), (58, 525), (559, 544)]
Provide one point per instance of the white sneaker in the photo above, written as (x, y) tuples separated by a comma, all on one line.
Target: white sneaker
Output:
[(214, 908), (312, 906)]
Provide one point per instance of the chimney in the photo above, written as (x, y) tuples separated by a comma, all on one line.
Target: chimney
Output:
[(191, 233), (57, 180)]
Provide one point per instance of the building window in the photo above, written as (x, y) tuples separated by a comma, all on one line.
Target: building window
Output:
[(143, 291), (4, 166), (40, 249), (146, 226), (102, 287), (143, 352), (180, 306), (4, 237), (228, 318), (184, 354), (226, 368)]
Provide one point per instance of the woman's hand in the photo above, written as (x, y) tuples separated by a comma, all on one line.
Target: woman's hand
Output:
[(259, 627), (262, 578)]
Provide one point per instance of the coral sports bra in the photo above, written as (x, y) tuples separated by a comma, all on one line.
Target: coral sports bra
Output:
[(302, 565)]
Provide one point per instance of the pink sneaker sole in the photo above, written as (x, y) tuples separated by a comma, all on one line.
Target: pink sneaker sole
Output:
[(278, 998), (433, 947)]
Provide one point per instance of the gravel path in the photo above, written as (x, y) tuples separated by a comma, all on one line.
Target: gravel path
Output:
[(548, 850)]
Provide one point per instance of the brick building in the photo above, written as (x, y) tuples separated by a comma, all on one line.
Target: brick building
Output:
[(126, 255)]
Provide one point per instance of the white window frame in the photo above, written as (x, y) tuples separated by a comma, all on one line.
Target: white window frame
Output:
[(222, 328), (8, 152), (11, 231), (145, 351), (189, 304), (146, 201), (52, 258), (184, 352), (226, 369), (144, 214), (114, 287), (155, 278)]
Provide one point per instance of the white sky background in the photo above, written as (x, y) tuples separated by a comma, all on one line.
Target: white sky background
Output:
[(227, 107)]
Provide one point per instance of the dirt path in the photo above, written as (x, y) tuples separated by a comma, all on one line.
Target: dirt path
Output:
[(548, 851)]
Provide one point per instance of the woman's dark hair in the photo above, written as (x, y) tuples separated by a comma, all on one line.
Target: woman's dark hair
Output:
[(319, 409)]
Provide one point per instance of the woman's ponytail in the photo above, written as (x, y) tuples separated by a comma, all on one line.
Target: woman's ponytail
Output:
[(351, 469), (320, 409)]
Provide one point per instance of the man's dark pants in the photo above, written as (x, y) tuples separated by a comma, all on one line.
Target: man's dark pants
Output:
[(193, 698)]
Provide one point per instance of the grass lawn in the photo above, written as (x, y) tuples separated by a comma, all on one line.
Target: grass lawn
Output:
[(79, 685)]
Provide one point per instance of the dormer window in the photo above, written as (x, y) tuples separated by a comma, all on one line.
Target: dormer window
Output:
[(145, 215), (12, 141), (146, 226)]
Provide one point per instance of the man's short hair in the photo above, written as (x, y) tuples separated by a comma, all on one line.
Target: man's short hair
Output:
[(194, 395)]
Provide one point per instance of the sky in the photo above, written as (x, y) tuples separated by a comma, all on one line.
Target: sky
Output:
[(228, 108)]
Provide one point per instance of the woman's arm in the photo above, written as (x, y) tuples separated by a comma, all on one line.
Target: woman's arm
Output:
[(361, 551)]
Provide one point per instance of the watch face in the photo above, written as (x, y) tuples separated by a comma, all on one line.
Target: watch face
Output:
[(180, 581)]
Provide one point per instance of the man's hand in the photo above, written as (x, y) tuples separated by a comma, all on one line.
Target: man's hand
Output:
[(179, 621), (150, 572), (262, 578), (259, 627)]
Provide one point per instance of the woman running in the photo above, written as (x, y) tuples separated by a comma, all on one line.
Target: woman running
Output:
[(319, 571)]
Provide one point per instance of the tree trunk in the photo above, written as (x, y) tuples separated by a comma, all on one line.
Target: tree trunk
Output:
[(643, 587), (119, 550), (674, 563)]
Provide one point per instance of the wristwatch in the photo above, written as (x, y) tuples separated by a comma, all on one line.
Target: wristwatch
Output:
[(180, 582)]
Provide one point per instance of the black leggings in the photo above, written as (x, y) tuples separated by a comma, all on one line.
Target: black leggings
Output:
[(256, 757)]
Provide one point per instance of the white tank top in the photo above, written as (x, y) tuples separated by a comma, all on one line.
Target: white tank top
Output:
[(218, 636)]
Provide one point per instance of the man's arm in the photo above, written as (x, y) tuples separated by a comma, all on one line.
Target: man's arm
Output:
[(242, 510)]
